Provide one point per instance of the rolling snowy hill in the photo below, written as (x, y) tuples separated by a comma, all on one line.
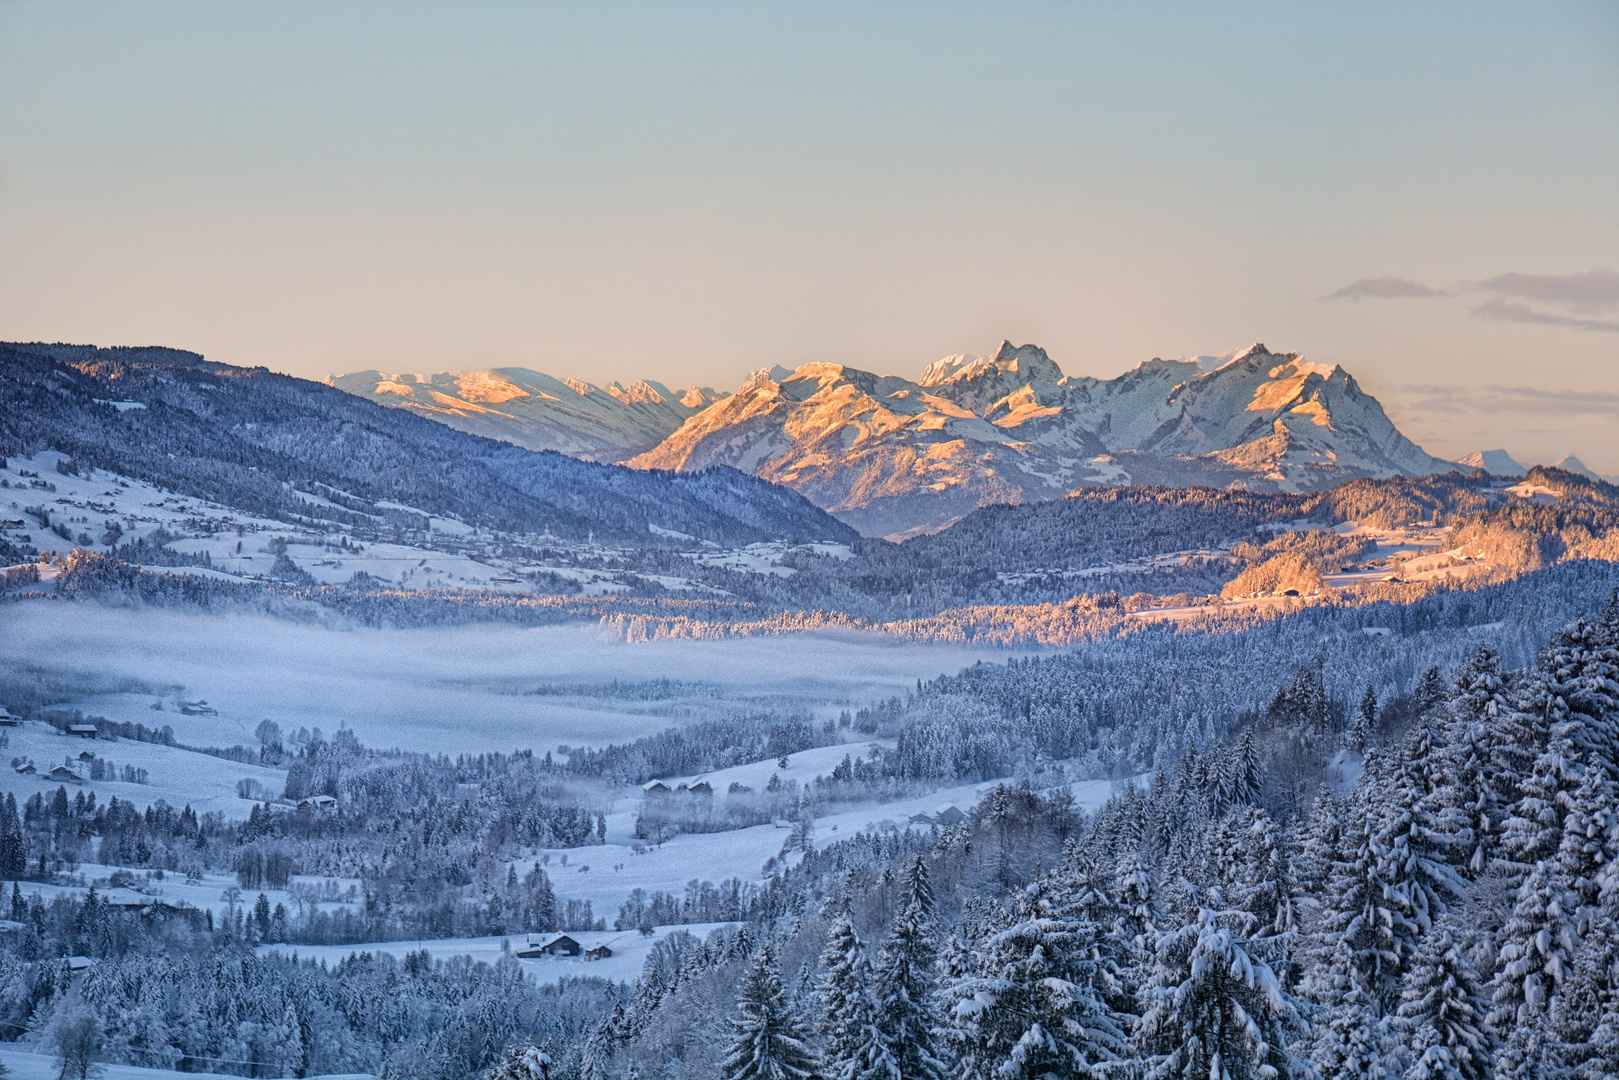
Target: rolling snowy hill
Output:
[(297, 451)]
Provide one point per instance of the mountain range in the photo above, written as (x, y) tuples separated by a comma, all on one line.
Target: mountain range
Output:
[(538, 411), (895, 457)]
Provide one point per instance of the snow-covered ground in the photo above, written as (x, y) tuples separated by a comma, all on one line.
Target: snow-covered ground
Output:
[(606, 874), (179, 777), (450, 689), (205, 893), (242, 546), (629, 947), (26, 1065)]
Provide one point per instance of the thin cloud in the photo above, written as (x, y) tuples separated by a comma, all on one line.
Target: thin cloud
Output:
[(1511, 399), (1518, 312), (1588, 293), (1384, 288)]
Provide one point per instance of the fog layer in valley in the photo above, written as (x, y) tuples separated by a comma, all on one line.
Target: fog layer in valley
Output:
[(450, 689)]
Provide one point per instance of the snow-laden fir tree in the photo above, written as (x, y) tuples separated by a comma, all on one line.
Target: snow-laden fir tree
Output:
[(768, 1043), (1441, 1015), (1365, 722), (1363, 909), (1214, 1011), (1347, 1041), (1585, 1015), (522, 1061), (1248, 768), (1026, 1007), (1536, 955), (853, 1046), (1318, 849), (905, 983), (1417, 839)]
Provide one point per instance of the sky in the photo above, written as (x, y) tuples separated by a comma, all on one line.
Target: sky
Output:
[(1426, 194)]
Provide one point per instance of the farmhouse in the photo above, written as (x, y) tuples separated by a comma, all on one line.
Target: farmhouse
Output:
[(64, 775), (8, 718), (555, 945), (598, 952), (318, 802), (83, 731)]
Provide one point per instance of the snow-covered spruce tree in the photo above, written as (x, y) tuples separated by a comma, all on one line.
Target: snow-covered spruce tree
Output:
[(904, 992), (1581, 665), (1248, 768), (1365, 722), (1214, 1011), (1265, 885), (522, 1061), (1429, 691), (1588, 846), (853, 1047), (1416, 839), (1364, 910), (1347, 1040), (1318, 849), (1585, 1016), (1026, 1008), (768, 1044), (1536, 954), (1441, 1015), (1471, 805), (1137, 899)]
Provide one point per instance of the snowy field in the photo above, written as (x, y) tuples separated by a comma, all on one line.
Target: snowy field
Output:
[(206, 893), (179, 777), (23, 1065), (629, 947), (449, 689), (606, 874)]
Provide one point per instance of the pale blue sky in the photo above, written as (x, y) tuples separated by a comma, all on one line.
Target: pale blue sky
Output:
[(687, 192)]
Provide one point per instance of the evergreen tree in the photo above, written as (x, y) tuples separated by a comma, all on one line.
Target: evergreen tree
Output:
[(853, 1046), (1026, 1008), (1536, 954), (1365, 722), (1347, 1040), (1365, 910), (1248, 769), (904, 990), (1416, 841), (1441, 1015), (1585, 1016), (768, 1042), (13, 849), (522, 1061), (1214, 1011)]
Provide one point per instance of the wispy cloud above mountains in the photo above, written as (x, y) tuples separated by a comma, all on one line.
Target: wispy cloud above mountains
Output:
[(1587, 301), (1577, 301), (1384, 288)]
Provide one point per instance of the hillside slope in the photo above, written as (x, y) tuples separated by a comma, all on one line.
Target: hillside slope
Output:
[(248, 438)]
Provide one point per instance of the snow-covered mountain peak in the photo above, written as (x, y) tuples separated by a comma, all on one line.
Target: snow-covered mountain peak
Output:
[(536, 410), (1570, 463), (1494, 462)]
